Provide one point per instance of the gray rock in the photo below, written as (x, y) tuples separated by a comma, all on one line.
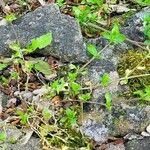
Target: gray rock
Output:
[(12, 141), (12, 134), (95, 131), (143, 144), (33, 144), (67, 41), (134, 26), (3, 99), (121, 121), (111, 146)]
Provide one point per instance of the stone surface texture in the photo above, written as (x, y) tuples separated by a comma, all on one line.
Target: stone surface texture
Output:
[(67, 41)]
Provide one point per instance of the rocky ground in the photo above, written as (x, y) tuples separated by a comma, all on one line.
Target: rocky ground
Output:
[(125, 127)]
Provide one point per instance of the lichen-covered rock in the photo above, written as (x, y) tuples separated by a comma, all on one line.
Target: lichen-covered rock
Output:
[(67, 41)]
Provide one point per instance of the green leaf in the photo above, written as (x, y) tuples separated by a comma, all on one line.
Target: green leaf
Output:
[(3, 136), (77, 11), (105, 80), (92, 50), (46, 114), (85, 97), (16, 48), (60, 2), (143, 94), (43, 67), (40, 42), (72, 76), (143, 2), (71, 115), (108, 101), (3, 66), (23, 117), (14, 75), (114, 36), (147, 28), (58, 85), (147, 90), (10, 17), (75, 88)]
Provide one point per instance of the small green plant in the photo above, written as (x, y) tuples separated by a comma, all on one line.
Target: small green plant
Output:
[(143, 95), (23, 117), (3, 136), (60, 2), (46, 114), (84, 14), (10, 17), (105, 80), (143, 2), (108, 101), (70, 117), (85, 97), (114, 36), (3, 66)]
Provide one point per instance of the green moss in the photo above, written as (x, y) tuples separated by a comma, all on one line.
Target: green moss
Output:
[(129, 61)]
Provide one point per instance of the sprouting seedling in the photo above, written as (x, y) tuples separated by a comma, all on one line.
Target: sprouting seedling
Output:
[(114, 36), (10, 17)]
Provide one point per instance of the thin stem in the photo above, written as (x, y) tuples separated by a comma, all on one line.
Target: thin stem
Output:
[(94, 57), (136, 76), (127, 39)]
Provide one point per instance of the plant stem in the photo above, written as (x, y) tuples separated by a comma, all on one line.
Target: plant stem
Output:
[(93, 57), (127, 39), (136, 76)]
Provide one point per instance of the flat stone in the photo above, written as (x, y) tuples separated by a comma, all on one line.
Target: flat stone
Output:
[(67, 43)]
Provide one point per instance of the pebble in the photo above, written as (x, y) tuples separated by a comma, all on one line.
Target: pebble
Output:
[(41, 91), (27, 95), (132, 136), (11, 101), (148, 129), (16, 93), (3, 22), (145, 134)]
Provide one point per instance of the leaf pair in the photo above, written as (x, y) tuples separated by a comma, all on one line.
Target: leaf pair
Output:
[(114, 36)]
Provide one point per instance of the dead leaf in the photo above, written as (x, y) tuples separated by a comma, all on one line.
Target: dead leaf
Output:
[(57, 100)]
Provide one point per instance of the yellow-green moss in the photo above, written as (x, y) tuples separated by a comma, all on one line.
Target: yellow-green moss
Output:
[(129, 61)]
